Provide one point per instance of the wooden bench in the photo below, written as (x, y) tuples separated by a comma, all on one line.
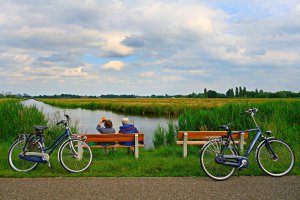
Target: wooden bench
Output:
[(136, 138), (186, 138)]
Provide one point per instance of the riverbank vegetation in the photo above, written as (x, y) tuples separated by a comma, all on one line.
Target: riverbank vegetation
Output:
[(143, 106), (16, 118), (282, 117)]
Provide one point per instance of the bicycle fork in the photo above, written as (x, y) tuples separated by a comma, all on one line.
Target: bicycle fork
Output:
[(273, 155)]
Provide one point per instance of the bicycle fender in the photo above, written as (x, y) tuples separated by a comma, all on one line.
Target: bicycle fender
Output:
[(203, 147), (260, 144)]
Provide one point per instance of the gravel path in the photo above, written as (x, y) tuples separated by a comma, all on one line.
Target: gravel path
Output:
[(150, 188)]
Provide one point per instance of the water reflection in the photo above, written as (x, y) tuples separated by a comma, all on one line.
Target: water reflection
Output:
[(88, 119)]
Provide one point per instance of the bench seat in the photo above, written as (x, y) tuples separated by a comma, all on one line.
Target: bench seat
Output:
[(186, 138), (136, 138)]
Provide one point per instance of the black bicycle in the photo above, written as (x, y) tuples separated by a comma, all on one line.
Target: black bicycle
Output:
[(219, 157), (29, 150)]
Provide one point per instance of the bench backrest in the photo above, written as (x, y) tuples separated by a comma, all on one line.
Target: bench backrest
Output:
[(119, 137), (202, 135)]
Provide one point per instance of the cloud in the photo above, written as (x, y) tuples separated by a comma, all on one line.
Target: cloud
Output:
[(113, 47), (114, 65), (163, 43), (147, 74)]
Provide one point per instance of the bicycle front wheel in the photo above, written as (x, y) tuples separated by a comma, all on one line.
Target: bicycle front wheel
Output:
[(75, 155), (14, 160), (208, 162), (278, 164)]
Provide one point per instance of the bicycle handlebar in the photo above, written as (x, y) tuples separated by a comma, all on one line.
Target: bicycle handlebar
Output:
[(61, 122), (252, 110), (65, 122)]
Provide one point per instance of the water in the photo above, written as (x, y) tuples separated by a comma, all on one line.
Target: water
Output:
[(88, 119)]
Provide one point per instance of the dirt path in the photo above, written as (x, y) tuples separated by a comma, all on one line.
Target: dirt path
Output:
[(150, 188)]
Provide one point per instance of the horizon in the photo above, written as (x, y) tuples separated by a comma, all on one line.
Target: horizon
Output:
[(149, 47)]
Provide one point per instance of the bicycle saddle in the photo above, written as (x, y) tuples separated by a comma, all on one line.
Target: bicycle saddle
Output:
[(226, 126), (40, 128)]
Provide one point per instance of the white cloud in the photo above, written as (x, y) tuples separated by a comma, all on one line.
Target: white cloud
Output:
[(112, 45), (75, 72), (147, 74), (114, 65), (190, 42), (297, 8)]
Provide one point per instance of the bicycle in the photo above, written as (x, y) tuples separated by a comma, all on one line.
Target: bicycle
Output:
[(219, 157), (29, 150)]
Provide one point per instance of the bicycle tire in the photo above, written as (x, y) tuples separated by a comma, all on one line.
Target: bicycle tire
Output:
[(18, 164), (70, 160), (211, 168), (275, 166)]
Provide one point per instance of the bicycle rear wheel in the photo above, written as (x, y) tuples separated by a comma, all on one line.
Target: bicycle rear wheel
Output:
[(278, 165), (75, 155), (208, 161), (14, 160)]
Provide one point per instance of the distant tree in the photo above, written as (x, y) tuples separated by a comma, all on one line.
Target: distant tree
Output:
[(236, 92), (244, 92), (212, 94), (193, 95), (240, 91), (205, 93), (230, 93)]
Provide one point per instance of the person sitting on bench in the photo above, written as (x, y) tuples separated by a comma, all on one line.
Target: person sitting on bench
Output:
[(127, 128), (107, 129)]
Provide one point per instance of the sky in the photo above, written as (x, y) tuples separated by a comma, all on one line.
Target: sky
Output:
[(90, 47)]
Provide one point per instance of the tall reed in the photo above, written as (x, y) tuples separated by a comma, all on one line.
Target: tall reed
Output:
[(163, 136), (16, 118)]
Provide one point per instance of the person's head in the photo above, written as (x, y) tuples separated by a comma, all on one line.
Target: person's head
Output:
[(125, 121), (108, 123)]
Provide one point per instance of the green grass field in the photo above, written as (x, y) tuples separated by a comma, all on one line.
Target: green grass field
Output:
[(282, 117), (141, 106), (165, 161)]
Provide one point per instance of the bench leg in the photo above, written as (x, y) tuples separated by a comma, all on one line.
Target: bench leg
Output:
[(105, 150), (184, 146), (136, 146), (242, 139)]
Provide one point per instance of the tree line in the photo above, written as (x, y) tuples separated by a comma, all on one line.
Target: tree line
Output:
[(237, 92)]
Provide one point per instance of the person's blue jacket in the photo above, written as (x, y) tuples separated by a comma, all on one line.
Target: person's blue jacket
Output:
[(128, 128)]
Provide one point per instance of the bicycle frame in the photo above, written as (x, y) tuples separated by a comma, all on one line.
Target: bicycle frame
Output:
[(54, 145), (58, 140)]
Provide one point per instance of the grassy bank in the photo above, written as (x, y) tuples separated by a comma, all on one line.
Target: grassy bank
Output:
[(282, 117), (140, 106), (165, 161), (16, 118)]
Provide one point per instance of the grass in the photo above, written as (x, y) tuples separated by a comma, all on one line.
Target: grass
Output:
[(162, 162), (141, 106), (16, 118), (281, 116)]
